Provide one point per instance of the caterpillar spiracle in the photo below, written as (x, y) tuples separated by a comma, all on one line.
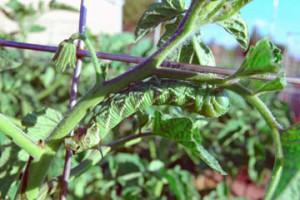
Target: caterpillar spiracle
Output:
[(205, 100)]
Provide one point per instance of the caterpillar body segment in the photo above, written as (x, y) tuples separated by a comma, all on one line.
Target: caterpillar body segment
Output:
[(206, 100)]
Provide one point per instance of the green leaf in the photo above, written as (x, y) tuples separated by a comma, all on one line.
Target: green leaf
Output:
[(36, 28), (180, 182), (180, 131), (275, 85), (65, 55), (14, 5), (208, 11), (214, 11), (54, 5), (126, 167), (289, 184), (155, 165), (238, 28), (11, 165), (142, 47), (9, 60), (158, 12), (130, 158), (48, 77), (41, 124), (131, 192), (257, 153), (277, 55), (170, 29), (259, 60), (185, 54), (194, 51), (118, 42), (230, 8), (203, 52)]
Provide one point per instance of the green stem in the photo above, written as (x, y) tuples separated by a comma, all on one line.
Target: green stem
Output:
[(276, 174), (14, 120), (95, 61), (275, 127), (127, 139), (266, 114), (188, 76), (20, 138), (51, 88), (73, 117)]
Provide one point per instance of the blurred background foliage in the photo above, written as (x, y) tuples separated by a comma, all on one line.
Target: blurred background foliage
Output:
[(154, 168), (133, 10)]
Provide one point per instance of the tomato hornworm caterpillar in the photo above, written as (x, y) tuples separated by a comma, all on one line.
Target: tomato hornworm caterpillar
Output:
[(206, 100)]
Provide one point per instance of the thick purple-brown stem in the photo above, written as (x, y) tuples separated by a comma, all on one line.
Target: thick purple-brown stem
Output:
[(134, 59)]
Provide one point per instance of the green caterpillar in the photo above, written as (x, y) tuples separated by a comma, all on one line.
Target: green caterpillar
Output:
[(205, 100)]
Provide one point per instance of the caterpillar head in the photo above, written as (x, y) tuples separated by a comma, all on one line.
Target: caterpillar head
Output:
[(83, 139), (217, 104)]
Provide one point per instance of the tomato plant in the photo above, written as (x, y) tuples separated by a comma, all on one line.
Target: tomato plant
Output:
[(170, 76)]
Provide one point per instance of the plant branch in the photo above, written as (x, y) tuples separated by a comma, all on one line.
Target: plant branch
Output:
[(14, 120), (135, 59), (118, 142), (275, 128), (187, 75), (20, 138)]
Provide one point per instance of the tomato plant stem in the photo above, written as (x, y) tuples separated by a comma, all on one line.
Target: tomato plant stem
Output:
[(135, 59), (20, 138), (275, 128)]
